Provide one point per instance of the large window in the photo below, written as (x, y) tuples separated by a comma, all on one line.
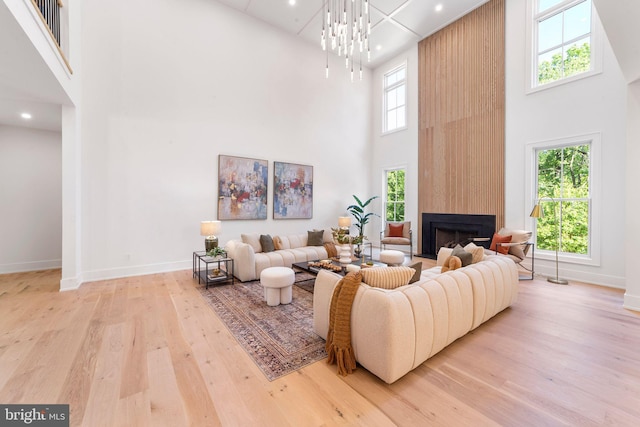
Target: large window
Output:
[(563, 39), (394, 198), (564, 191), (395, 99)]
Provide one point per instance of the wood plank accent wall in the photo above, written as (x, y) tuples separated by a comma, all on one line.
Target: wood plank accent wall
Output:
[(462, 116)]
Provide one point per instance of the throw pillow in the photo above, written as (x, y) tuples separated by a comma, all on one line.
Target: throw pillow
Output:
[(500, 239), (253, 240), (477, 252), (451, 263), (517, 236), (416, 276), (387, 277), (267, 243), (395, 230), (277, 243), (330, 247), (465, 257), (314, 238)]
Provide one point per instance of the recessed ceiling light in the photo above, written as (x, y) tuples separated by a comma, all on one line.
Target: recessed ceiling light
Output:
[(438, 7), (379, 47), (25, 116), (292, 2)]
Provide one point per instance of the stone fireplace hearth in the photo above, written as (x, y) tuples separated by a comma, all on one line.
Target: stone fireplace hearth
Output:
[(440, 230)]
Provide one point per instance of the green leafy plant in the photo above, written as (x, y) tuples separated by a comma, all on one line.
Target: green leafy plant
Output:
[(217, 251), (362, 217)]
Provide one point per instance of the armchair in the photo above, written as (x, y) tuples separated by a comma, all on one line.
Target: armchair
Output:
[(397, 233), (517, 248)]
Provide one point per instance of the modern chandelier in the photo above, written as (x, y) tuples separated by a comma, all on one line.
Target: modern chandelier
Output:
[(346, 25)]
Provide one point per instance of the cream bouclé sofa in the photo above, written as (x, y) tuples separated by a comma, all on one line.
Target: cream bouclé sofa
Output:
[(250, 259), (394, 331)]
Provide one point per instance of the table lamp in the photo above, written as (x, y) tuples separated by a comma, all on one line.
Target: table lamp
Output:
[(209, 229)]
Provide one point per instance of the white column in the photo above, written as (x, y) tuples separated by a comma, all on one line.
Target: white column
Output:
[(632, 294), (71, 243)]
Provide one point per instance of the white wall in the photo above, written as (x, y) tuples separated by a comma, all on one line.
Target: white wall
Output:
[(166, 90), (396, 149), (30, 199), (595, 104)]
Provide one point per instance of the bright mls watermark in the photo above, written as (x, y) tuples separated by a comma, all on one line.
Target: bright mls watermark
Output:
[(34, 415)]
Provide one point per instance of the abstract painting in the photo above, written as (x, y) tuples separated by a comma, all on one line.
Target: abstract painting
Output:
[(293, 191), (242, 188)]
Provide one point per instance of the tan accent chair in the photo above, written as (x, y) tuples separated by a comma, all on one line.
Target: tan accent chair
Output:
[(518, 248), (405, 240)]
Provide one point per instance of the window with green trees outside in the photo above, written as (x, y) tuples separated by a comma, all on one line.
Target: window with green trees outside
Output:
[(394, 201), (563, 39), (563, 183)]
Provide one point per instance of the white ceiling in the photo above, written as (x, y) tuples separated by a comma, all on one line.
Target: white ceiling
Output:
[(396, 24), (26, 84)]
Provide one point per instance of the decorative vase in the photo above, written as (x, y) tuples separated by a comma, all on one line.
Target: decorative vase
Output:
[(345, 254), (357, 251)]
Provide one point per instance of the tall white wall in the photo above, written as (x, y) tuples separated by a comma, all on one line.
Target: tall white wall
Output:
[(168, 88), (30, 199), (396, 149), (596, 104)]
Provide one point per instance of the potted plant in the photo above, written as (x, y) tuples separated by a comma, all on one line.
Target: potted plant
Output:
[(217, 252), (361, 217)]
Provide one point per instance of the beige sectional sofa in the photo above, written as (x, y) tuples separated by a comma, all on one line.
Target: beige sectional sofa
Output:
[(250, 258), (394, 331)]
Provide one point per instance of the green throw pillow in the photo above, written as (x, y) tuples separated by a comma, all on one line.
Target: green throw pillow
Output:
[(416, 276), (465, 257), (315, 238), (267, 243)]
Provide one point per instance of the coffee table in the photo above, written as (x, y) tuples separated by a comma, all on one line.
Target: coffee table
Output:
[(304, 266)]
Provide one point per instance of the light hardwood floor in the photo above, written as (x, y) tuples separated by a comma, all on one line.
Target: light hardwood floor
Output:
[(148, 351)]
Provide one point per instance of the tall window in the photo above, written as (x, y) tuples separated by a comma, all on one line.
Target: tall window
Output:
[(394, 201), (395, 99), (563, 39), (564, 190)]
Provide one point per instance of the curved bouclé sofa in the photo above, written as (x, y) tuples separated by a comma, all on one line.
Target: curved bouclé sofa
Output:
[(250, 258), (394, 331)]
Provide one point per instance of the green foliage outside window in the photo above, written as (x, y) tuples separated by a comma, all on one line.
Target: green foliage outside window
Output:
[(394, 205), (578, 60), (563, 186)]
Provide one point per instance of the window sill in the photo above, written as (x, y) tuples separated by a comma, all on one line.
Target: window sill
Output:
[(389, 132), (567, 258), (564, 81)]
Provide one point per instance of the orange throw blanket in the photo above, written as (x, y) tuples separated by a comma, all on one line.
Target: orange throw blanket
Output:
[(338, 344)]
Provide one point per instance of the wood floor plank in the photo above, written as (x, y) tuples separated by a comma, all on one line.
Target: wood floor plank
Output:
[(149, 351)]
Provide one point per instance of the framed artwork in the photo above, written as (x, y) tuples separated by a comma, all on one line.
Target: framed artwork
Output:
[(293, 191), (242, 188)]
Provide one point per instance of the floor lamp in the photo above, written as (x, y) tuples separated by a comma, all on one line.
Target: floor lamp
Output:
[(537, 213)]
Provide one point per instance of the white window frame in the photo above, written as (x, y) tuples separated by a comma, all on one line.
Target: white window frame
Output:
[(596, 45), (594, 140), (385, 89), (385, 173)]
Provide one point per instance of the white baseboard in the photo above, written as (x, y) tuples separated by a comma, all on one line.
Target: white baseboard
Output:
[(139, 270), (69, 284), (618, 282), (21, 267), (631, 302)]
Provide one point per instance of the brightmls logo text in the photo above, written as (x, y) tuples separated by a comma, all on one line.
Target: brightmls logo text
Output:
[(34, 415)]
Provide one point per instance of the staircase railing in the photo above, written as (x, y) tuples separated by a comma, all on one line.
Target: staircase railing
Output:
[(50, 15)]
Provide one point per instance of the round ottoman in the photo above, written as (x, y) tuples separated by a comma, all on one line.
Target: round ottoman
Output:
[(391, 257), (277, 283)]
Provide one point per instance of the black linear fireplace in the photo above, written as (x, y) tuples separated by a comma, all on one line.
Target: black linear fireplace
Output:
[(440, 230)]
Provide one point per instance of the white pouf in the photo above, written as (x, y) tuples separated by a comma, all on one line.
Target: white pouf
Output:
[(391, 257), (277, 283)]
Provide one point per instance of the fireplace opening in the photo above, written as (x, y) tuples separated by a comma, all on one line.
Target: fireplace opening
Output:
[(448, 230)]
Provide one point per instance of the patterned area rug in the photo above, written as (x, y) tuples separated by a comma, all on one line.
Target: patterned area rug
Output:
[(279, 339)]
